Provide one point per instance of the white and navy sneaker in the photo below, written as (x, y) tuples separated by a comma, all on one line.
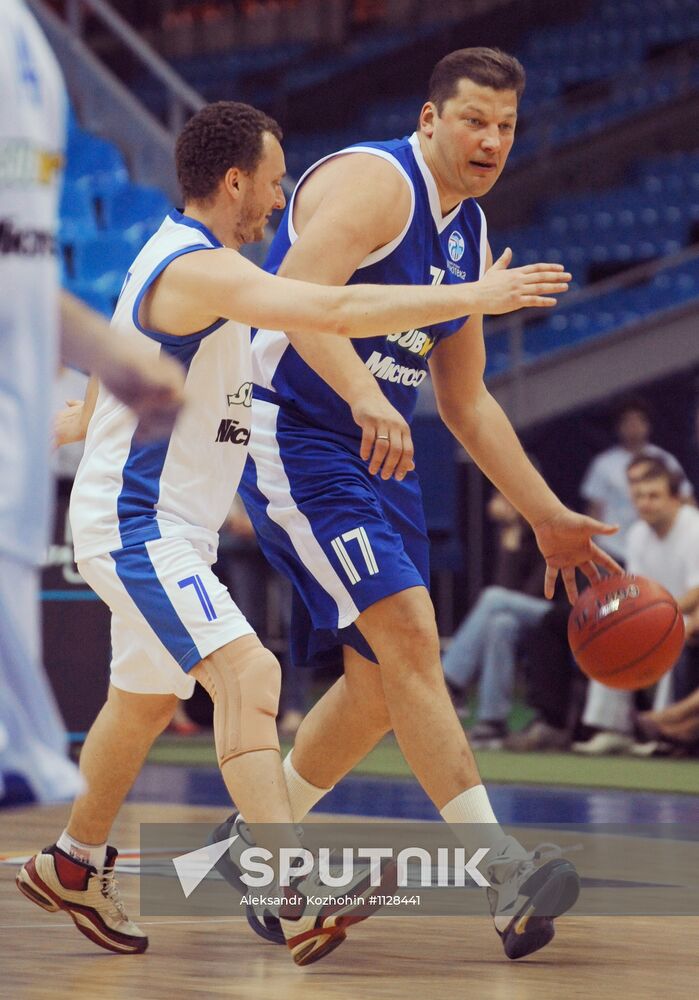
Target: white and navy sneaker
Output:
[(266, 923), (528, 891)]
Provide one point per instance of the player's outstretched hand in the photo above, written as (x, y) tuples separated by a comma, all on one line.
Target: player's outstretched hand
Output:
[(505, 290), (565, 541), (386, 440), (152, 388)]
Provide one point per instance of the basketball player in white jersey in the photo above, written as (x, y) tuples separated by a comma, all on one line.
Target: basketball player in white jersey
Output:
[(33, 108), (145, 516)]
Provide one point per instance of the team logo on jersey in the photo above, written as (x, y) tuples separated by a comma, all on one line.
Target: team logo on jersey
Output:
[(415, 341), (385, 367), (242, 396), (456, 245), (230, 430)]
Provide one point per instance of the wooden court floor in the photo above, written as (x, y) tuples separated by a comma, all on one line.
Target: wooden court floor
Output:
[(43, 957)]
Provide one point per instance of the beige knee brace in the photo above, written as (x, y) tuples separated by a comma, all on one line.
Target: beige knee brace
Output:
[(245, 693)]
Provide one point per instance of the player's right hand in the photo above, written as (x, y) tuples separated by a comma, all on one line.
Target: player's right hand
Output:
[(534, 285), (386, 440)]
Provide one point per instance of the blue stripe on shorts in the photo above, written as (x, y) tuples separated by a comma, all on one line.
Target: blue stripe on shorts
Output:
[(137, 573)]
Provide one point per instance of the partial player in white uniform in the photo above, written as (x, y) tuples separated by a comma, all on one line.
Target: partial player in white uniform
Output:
[(32, 137), (145, 516)]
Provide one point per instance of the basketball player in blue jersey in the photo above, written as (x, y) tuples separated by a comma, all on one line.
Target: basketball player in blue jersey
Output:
[(356, 549), (145, 516)]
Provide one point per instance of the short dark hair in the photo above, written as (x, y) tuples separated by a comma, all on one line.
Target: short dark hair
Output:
[(630, 404), (655, 468), (486, 67), (222, 135)]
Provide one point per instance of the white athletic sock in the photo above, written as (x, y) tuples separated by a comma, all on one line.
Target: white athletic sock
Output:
[(475, 825), (89, 854), (302, 794)]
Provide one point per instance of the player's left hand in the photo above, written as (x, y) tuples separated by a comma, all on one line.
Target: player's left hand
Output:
[(69, 425), (565, 541), (152, 388)]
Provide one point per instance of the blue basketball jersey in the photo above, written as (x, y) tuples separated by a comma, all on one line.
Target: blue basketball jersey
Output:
[(432, 249)]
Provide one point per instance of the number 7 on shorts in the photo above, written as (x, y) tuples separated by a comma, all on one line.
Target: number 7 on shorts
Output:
[(200, 590)]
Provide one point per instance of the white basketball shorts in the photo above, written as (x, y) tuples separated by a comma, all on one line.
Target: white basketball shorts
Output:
[(169, 611)]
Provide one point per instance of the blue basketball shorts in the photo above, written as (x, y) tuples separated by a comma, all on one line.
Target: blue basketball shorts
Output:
[(344, 538)]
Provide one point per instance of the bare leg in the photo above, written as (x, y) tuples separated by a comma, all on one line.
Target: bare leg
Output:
[(113, 754), (402, 631), (348, 721), (344, 725)]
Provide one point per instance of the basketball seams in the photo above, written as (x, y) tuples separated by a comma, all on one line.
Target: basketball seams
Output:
[(611, 622), (629, 665)]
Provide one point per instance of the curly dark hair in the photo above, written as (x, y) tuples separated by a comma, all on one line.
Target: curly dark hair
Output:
[(222, 135), (486, 67)]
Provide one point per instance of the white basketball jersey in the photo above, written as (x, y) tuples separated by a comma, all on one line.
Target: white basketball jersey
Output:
[(32, 140), (127, 492)]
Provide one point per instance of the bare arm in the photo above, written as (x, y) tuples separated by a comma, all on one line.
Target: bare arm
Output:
[(153, 388), (336, 235), (479, 423), (199, 287)]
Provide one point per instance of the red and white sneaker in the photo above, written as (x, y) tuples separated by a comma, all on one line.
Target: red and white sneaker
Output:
[(56, 881), (314, 918)]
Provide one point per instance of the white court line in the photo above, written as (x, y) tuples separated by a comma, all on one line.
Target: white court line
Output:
[(141, 923)]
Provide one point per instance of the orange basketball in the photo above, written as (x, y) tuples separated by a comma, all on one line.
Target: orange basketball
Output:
[(625, 631)]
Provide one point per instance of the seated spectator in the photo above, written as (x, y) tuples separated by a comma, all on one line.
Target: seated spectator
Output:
[(677, 725), (486, 643), (662, 544), (605, 485), (550, 684)]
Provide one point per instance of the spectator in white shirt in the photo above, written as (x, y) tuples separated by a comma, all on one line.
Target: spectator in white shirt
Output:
[(663, 544), (605, 485)]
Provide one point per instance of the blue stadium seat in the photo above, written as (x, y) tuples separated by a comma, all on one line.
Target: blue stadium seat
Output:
[(101, 293), (87, 154), (108, 252), (131, 204)]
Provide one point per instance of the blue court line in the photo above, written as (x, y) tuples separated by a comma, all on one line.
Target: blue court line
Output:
[(404, 799), (68, 595)]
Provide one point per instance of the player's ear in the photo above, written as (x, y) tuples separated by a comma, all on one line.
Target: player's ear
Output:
[(427, 118), (231, 181)]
